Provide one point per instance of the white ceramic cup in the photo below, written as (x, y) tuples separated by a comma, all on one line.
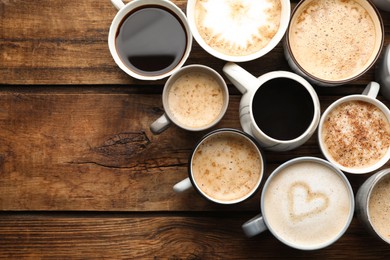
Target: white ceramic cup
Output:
[(382, 4), (236, 27), (248, 85), (308, 69), (204, 105), (306, 203), (123, 11), (382, 73), (232, 162), (367, 206), (369, 95)]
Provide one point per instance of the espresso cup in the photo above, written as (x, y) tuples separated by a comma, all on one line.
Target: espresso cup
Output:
[(306, 203), (238, 30), (280, 109), (382, 4), (195, 98), (332, 42), (226, 167), (382, 73), (149, 39), (372, 204), (354, 132)]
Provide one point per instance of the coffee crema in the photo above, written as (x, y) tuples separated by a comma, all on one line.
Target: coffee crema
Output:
[(333, 39), (356, 134), (196, 99), (307, 204), (237, 27), (379, 207), (227, 167)]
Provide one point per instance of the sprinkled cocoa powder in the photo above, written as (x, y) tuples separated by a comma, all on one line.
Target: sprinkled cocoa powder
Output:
[(356, 134)]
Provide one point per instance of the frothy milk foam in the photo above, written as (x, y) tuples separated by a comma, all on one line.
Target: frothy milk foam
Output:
[(333, 39), (307, 204), (379, 207), (356, 134), (227, 167), (237, 27), (196, 99)]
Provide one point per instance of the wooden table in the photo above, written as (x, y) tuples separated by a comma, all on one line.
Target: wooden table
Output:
[(82, 176)]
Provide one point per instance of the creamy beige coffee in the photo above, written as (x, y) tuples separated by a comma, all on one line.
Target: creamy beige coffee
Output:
[(356, 134), (334, 39), (226, 167), (307, 204), (237, 27), (196, 99), (379, 207)]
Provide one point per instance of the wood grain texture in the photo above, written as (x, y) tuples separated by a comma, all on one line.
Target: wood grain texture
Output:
[(92, 151), (66, 43), (129, 236)]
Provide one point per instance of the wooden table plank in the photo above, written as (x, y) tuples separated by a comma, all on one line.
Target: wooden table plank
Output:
[(66, 43), (94, 151), (132, 236)]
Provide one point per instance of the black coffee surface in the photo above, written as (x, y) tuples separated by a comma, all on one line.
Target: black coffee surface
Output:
[(283, 109), (151, 40)]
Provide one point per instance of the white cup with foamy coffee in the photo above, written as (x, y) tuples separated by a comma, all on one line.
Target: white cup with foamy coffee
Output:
[(195, 98), (280, 109), (306, 203), (373, 204), (354, 132), (332, 42), (226, 167), (149, 39), (238, 30)]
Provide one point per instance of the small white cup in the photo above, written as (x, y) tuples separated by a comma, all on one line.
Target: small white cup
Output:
[(249, 85), (382, 73), (369, 95), (382, 4), (222, 10), (365, 196), (123, 11), (233, 163), (306, 203), (202, 102)]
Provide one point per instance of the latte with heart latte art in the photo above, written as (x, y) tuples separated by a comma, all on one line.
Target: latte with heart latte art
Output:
[(307, 204)]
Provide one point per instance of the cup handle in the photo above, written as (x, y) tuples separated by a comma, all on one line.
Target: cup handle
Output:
[(242, 79), (372, 89), (254, 226), (118, 4), (160, 125), (182, 185)]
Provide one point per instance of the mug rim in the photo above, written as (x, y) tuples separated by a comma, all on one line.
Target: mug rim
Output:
[(377, 178), (180, 72), (128, 8), (238, 133), (284, 21), (334, 169), (356, 97), (327, 82), (304, 83)]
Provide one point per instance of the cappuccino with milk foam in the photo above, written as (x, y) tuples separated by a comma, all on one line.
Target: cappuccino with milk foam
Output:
[(237, 27), (356, 134), (227, 167), (196, 99), (307, 204), (334, 39)]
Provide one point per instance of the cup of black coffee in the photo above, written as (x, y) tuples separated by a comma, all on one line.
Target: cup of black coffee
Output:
[(280, 109), (149, 39)]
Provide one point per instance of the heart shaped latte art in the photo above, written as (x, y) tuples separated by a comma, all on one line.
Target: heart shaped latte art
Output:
[(304, 203)]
